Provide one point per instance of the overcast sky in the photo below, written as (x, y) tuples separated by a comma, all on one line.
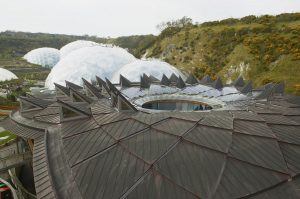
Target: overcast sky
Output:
[(125, 17)]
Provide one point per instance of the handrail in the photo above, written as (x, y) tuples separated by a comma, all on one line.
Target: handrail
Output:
[(8, 107), (24, 193), (17, 155), (13, 191), (13, 161)]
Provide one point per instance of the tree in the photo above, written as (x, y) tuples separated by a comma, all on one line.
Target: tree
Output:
[(179, 23)]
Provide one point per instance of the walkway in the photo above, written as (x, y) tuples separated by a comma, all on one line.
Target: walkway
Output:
[(14, 161)]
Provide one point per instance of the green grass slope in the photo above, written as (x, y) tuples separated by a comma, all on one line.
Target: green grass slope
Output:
[(6, 136), (17, 44), (263, 49), (14, 45)]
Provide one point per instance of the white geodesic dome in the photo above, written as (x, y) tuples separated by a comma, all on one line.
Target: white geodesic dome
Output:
[(88, 62), (134, 70), (75, 45), (6, 75), (46, 57)]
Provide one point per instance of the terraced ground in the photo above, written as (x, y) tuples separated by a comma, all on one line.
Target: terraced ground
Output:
[(5, 136)]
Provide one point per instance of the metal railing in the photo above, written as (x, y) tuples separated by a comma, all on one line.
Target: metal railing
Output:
[(20, 190), (13, 191)]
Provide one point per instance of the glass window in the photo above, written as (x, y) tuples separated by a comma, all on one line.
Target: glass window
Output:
[(176, 105)]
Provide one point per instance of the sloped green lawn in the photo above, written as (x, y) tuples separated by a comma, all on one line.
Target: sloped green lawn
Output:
[(6, 136)]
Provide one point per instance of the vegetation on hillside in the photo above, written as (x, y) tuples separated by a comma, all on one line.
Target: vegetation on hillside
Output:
[(264, 49), (136, 44), (14, 45), (17, 44), (14, 88), (6, 136)]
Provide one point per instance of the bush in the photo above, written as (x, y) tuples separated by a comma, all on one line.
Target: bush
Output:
[(11, 97)]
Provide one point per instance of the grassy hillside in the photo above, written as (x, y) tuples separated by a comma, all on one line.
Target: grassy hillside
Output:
[(14, 45), (264, 49), (136, 44), (17, 44)]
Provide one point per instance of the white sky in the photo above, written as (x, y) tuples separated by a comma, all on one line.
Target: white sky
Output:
[(125, 17)]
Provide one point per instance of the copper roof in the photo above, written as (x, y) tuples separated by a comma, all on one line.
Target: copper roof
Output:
[(249, 151)]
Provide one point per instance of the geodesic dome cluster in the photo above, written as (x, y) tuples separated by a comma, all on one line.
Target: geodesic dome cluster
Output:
[(6, 75), (134, 70), (88, 59), (46, 57), (88, 62)]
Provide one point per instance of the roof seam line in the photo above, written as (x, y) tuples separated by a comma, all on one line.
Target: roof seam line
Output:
[(173, 182), (201, 146), (96, 154), (255, 165), (159, 158), (226, 160)]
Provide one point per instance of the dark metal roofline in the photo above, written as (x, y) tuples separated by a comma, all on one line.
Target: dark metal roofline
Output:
[(268, 85), (265, 94), (21, 128), (111, 86), (217, 84), (145, 81), (63, 89), (117, 94), (52, 176), (82, 152), (264, 87), (206, 79), (238, 152), (269, 90), (247, 88), (146, 77), (81, 96), (127, 102), (173, 78), (100, 81), (294, 99), (36, 101), (180, 83), (153, 79), (40, 162), (191, 145), (239, 82), (279, 88), (74, 86), (165, 80), (103, 84), (124, 82), (95, 91), (192, 80), (74, 108)]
